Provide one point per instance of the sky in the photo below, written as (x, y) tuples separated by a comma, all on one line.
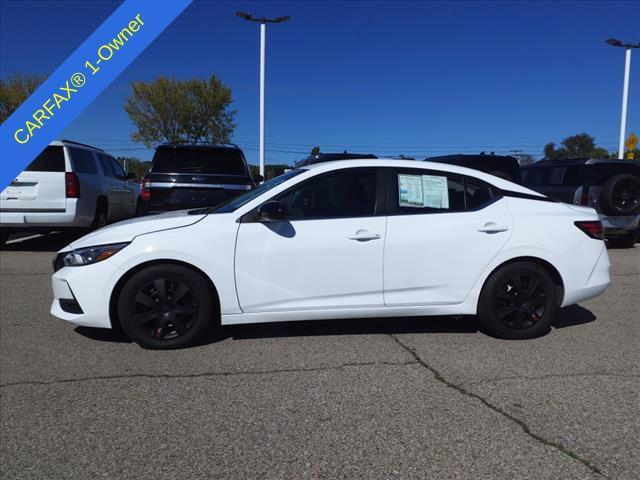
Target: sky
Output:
[(390, 78)]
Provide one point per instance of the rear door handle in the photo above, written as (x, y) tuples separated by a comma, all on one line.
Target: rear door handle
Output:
[(364, 236), (493, 227)]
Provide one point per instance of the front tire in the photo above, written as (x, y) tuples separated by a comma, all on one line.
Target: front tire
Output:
[(165, 306), (518, 301)]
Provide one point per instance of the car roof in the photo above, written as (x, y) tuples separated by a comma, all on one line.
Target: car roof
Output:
[(198, 146), (62, 143), (579, 161), (441, 167)]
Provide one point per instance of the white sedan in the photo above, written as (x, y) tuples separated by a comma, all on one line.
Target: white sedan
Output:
[(348, 239)]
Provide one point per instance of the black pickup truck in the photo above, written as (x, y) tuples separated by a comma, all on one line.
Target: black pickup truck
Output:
[(186, 176)]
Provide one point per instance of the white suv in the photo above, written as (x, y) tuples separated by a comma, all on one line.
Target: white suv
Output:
[(69, 185)]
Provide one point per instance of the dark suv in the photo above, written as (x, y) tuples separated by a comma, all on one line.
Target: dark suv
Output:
[(186, 176), (331, 157), (503, 166), (612, 187)]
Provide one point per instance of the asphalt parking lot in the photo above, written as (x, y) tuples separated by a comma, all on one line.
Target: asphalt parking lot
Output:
[(375, 399)]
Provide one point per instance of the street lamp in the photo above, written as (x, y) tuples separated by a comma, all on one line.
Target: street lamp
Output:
[(625, 89), (263, 30)]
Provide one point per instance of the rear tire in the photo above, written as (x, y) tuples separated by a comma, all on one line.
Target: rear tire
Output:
[(626, 241), (518, 301), (621, 195), (165, 307), (100, 218)]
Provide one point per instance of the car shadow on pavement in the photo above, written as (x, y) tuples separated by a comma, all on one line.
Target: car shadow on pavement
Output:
[(567, 317), (51, 242)]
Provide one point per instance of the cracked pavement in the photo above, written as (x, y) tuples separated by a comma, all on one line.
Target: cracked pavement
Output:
[(376, 398)]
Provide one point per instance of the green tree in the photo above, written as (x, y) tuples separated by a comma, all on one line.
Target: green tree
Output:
[(15, 90), (315, 150), (189, 111), (575, 146)]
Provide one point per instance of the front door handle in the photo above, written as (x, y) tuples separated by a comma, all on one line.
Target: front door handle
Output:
[(364, 236), (493, 227)]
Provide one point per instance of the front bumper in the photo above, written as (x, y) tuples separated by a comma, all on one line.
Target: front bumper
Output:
[(89, 287)]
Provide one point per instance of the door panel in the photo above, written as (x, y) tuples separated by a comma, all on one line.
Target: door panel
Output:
[(310, 264), (436, 258)]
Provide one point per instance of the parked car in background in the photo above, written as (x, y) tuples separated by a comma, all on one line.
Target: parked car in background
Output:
[(331, 157), (503, 166), (69, 185), (186, 176), (612, 187), (351, 239)]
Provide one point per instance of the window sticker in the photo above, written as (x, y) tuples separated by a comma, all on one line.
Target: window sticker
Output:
[(410, 189), (435, 191)]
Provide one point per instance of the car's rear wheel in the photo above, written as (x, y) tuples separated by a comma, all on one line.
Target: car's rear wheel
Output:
[(518, 301), (621, 195), (165, 306)]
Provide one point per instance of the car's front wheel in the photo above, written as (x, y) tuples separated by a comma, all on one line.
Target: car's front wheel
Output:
[(518, 301), (165, 306)]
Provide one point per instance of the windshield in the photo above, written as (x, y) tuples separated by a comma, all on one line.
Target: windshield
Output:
[(212, 161), (233, 204)]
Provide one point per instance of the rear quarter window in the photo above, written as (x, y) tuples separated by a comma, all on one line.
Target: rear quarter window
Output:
[(601, 172), (83, 160), (222, 161), (50, 160)]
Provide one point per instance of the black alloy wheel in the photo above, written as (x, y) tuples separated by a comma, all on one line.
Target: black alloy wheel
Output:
[(166, 306), (626, 195), (518, 301), (165, 309)]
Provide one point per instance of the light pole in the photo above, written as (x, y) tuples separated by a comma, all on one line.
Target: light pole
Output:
[(625, 89), (263, 31)]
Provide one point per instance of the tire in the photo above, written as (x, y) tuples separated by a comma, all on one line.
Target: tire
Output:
[(518, 301), (100, 218), (153, 319), (621, 195), (626, 241)]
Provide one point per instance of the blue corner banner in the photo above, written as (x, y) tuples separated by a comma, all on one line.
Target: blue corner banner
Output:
[(80, 79)]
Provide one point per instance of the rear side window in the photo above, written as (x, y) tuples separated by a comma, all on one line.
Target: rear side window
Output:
[(50, 160), (539, 176), (478, 193), (213, 161), (105, 164), (428, 192), (574, 176), (83, 161)]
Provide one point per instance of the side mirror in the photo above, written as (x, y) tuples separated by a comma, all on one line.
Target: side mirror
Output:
[(271, 211), (257, 178)]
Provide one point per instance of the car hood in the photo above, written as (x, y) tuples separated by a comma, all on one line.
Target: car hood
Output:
[(127, 230)]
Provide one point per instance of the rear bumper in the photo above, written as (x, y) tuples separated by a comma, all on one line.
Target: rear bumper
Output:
[(616, 226), (597, 282), (27, 219)]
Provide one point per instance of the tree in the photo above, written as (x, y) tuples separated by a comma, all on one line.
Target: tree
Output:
[(189, 111), (315, 150), (576, 146), (15, 90)]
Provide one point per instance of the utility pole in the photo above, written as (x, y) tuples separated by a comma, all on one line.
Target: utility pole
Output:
[(263, 34), (625, 89)]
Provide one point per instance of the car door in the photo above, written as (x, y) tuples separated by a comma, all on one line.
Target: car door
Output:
[(442, 231), (128, 192), (326, 253)]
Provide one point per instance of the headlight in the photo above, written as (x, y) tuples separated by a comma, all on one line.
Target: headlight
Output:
[(89, 255)]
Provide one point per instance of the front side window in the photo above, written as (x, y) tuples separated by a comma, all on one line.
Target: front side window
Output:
[(105, 164), (425, 191), (342, 194), (117, 169)]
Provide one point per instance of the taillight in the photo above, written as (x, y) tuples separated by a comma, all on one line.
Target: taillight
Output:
[(72, 185), (145, 189), (592, 228)]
